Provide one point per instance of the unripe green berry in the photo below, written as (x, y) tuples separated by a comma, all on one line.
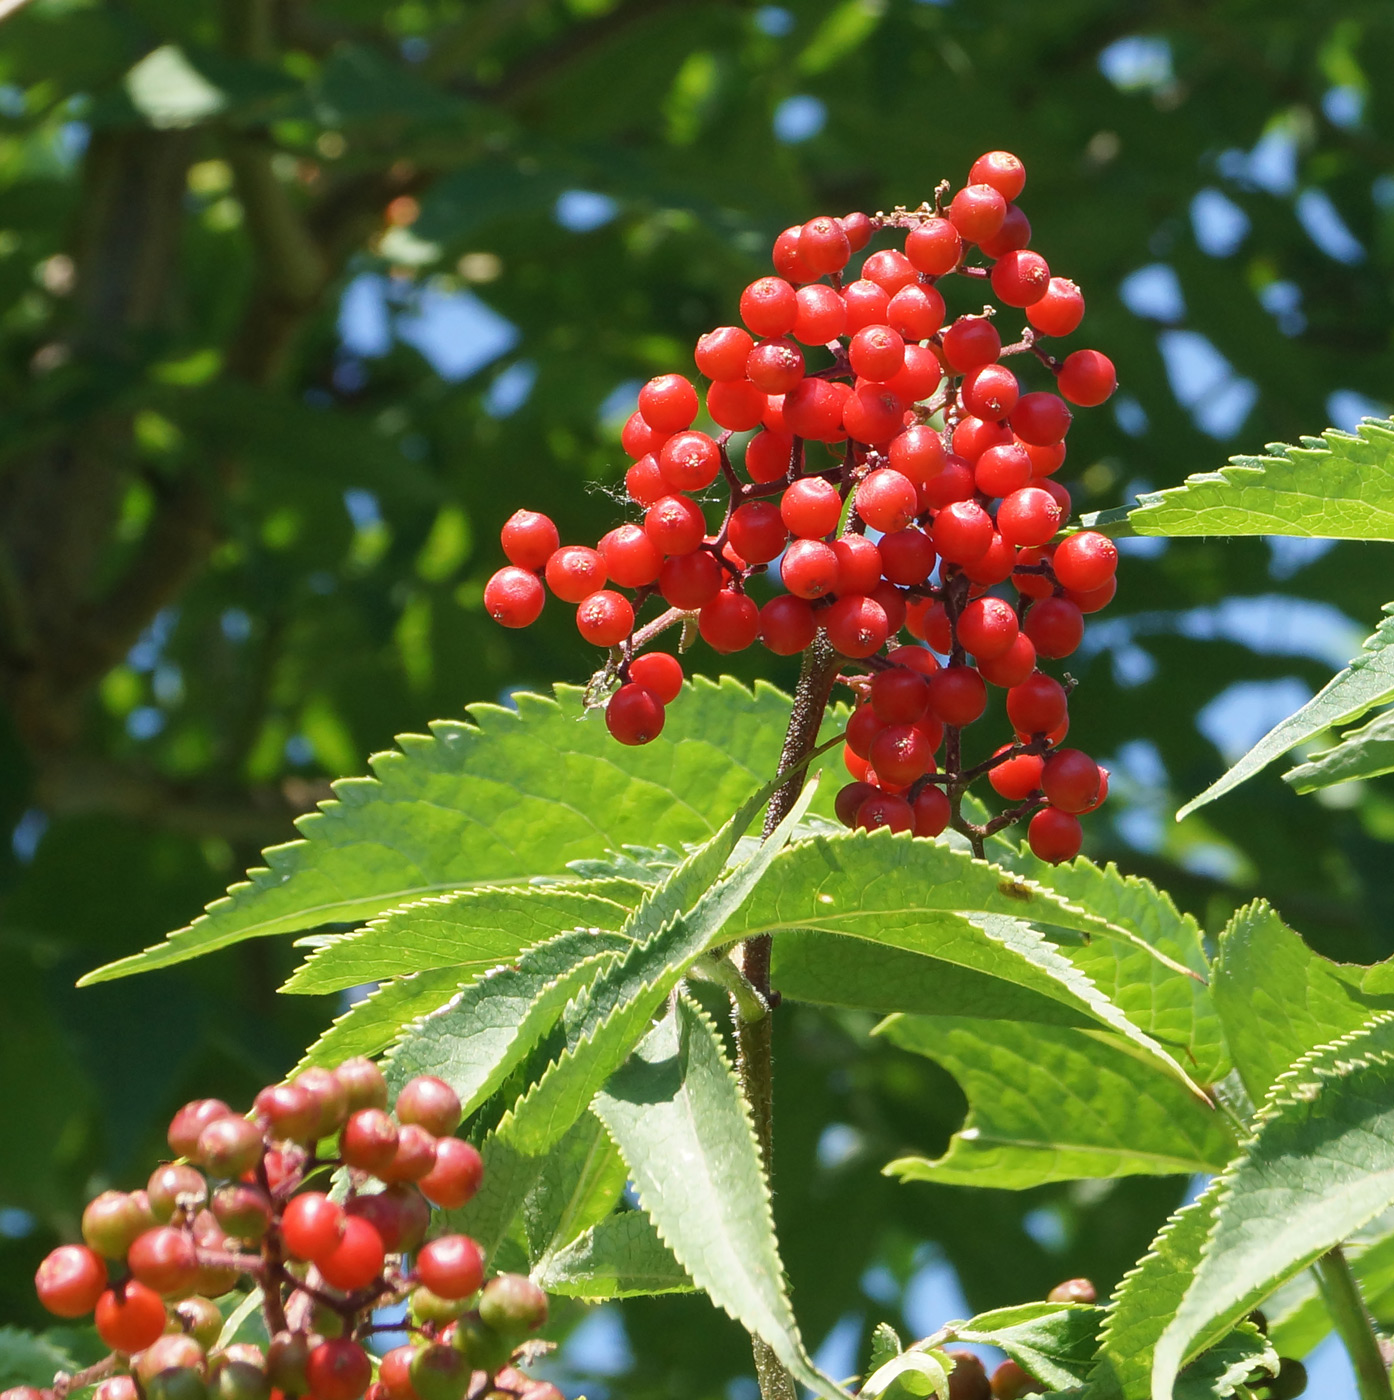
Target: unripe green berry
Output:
[(244, 1211), (363, 1083), (200, 1318), (172, 1186), (169, 1352), (286, 1359), (113, 1221), (430, 1307), (482, 1347), (238, 1380), (512, 1305), (439, 1372), (177, 1383)]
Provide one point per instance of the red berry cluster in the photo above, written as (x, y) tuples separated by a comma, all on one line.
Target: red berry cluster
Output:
[(236, 1208), (902, 477)]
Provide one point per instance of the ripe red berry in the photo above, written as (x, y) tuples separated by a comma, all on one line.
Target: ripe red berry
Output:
[(934, 247), (821, 315), (990, 392), (1045, 460), (369, 1140), (721, 354), (130, 1316), (977, 212), (1060, 310), (229, 1147), (775, 366), (898, 696), (994, 565), (164, 1259), (962, 532), (787, 625), (957, 695), (644, 482), (1017, 778), (514, 597), (889, 270), (730, 622), (824, 246), (873, 413), (631, 558), (810, 507), (1055, 836), (1030, 516), (916, 312), (931, 810), (70, 1280), (634, 714), (1095, 598), (451, 1267), (857, 625), (973, 436), (900, 753), (311, 1225), (893, 604), (769, 306), (1020, 278), (529, 539), (884, 809), (907, 556), (1038, 705), (399, 1214), (814, 410), (690, 581), (767, 456), (918, 377), (858, 564), (1071, 780), (787, 259), (338, 1370), (668, 403), (1055, 627), (970, 342), (638, 439), (675, 524), (809, 569), (1012, 666), (689, 461), (849, 799), (987, 627), (574, 572), (918, 453), (606, 618), (736, 404), (953, 483), (1000, 169), (858, 229), (1040, 419), (915, 657), (1087, 378), (458, 1168), (190, 1121), (1014, 234), (429, 1103), (876, 352), (1002, 469), (356, 1260), (660, 672), (1085, 561), (886, 500), (865, 303), (864, 726), (394, 1373)]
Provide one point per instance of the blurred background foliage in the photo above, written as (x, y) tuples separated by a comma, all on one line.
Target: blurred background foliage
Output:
[(299, 299)]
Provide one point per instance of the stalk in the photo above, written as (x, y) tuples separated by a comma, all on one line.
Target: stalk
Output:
[(1354, 1324)]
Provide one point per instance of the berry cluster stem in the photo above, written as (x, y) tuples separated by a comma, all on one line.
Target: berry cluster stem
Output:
[(754, 1038), (1354, 1324)]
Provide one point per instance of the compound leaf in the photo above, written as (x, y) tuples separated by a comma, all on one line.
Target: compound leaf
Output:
[(371, 1024), (1367, 752), (623, 1256), (1055, 1342)]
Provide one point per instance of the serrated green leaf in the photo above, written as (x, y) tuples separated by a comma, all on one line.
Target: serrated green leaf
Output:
[(514, 795), (28, 1359), (910, 1373), (473, 929), (1368, 681), (677, 922), (1297, 1316), (1339, 486), (1367, 752), (1055, 1342), (1222, 1369), (1175, 1010), (1319, 1167), (1278, 999), (580, 1184), (474, 1041), (369, 1026), (1047, 1103), (679, 1118), (885, 1343), (620, 1257)]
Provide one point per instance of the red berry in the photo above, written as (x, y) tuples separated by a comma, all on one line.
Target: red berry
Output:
[(690, 581), (1085, 561), (357, 1258), (529, 539), (857, 625), (638, 439), (809, 569), (70, 1280), (574, 572), (858, 229), (931, 810), (311, 1224), (865, 303), (814, 409), (1020, 278), (514, 597), (736, 404), (721, 354), (876, 352), (631, 558), (889, 270), (957, 695), (918, 453), (775, 366), (973, 436), (953, 483), (228, 1147), (1087, 378), (1030, 516), (644, 482), (916, 312), (368, 1140), (810, 507), (1017, 778), (190, 1121), (1060, 310), (1040, 419), (451, 1267), (769, 306), (886, 500), (873, 413), (338, 1370), (1038, 705), (730, 622), (458, 1168), (977, 212), (606, 618), (289, 1112), (1012, 666), (994, 565), (1045, 460), (430, 1103), (130, 1317), (787, 625), (900, 753), (164, 1259), (1014, 234), (660, 672), (899, 696), (394, 1373), (858, 564), (857, 766), (1055, 836), (885, 809), (1095, 598), (787, 259), (864, 726), (668, 403), (962, 532), (821, 315), (824, 246), (849, 799), (689, 461), (1055, 627), (893, 604), (915, 657), (907, 556), (399, 1214), (1101, 796), (934, 247), (987, 627), (1000, 169), (1003, 469), (990, 392), (767, 456), (1071, 780), (970, 342), (634, 714), (675, 524)]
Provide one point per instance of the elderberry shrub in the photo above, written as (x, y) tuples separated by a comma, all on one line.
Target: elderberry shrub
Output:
[(247, 1204), (903, 477)]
